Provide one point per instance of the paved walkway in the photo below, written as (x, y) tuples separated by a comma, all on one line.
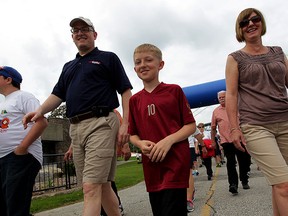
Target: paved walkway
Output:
[(212, 198)]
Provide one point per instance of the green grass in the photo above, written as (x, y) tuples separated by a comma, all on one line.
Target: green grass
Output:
[(127, 175), (49, 202)]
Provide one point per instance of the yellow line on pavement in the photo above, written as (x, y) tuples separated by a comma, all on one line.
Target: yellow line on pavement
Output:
[(206, 209)]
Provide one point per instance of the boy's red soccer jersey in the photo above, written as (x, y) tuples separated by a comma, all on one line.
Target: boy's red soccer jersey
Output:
[(153, 116)]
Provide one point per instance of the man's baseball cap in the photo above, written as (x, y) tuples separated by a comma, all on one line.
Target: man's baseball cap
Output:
[(85, 20), (11, 72)]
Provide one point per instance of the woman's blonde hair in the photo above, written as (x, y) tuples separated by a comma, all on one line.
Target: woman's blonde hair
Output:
[(149, 48), (245, 14)]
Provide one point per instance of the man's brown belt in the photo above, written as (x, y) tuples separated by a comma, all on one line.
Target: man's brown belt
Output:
[(96, 112)]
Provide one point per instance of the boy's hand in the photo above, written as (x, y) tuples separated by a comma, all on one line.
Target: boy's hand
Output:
[(20, 150), (160, 150), (30, 117), (146, 146)]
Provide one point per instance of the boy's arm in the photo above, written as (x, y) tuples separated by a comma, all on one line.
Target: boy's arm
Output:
[(159, 152), (134, 139), (36, 130), (144, 145)]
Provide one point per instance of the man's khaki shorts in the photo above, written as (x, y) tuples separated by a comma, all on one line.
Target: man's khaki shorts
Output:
[(268, 145), (94, 148)]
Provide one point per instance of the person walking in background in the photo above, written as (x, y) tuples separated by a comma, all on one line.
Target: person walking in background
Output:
[(256, 85), (218, 150), (210, 150), (220, 120), (160, 121), (194, 141), (193, 146), (89, 85), (21, 153)]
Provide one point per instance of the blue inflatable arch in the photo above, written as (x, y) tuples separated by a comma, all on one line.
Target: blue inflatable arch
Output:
[(205, 94)]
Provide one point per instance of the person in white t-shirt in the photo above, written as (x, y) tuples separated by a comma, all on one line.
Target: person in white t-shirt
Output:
[(20, 149), (194, 141)]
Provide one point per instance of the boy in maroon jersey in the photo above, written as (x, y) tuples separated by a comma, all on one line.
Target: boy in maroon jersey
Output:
[(160, 122)]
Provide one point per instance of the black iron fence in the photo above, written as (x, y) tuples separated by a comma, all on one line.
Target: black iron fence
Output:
[(55, 174)]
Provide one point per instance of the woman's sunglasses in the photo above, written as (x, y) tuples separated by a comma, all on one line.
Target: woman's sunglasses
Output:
[(245, 22)]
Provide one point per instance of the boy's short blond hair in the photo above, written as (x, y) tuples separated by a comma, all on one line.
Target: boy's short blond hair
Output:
[(149, 48)]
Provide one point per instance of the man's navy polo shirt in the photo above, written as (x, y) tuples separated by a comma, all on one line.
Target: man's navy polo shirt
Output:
[(91, 80)]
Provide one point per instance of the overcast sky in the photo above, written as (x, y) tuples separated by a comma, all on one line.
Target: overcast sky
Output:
[(195, 37)]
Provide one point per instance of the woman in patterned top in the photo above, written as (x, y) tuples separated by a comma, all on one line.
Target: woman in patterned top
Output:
[(257, 79)]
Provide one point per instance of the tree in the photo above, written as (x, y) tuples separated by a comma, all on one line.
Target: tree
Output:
[(59, 112)]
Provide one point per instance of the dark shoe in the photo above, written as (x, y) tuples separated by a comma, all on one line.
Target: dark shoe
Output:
[(209, 178), (245, 186), (233, 189)]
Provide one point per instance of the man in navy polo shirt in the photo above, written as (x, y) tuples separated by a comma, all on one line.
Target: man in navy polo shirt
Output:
[(89, 85)]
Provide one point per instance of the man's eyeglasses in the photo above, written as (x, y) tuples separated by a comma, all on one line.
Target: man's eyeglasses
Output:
[(200, 126), (85, 29), (245, 22)]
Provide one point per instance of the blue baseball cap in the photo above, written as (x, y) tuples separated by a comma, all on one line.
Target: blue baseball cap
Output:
[(11, 72)]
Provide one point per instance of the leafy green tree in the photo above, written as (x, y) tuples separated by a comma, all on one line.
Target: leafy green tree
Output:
[(59, 112)]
